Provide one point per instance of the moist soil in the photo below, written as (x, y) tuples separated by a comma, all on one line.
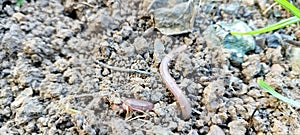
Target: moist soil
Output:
[(52, 83)]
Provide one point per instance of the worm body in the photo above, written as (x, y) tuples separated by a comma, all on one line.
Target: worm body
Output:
[(171, 84), (137, 105)]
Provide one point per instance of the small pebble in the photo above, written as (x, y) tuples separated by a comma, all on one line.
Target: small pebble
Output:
[(297, 34), (248, 2), (295, 59), (238, 127), (273, 40), (18, 16), (215, 130), (105, 72), (141, 45)]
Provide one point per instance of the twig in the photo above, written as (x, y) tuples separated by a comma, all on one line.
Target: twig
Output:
[(296, 43), (85, 3), (120, 69), (171, 84), (269, 8)]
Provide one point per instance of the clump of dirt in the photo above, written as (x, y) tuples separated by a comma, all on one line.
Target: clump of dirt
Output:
[(50, 82)]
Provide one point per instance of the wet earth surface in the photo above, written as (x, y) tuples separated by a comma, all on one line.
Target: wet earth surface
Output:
[(53, 80)]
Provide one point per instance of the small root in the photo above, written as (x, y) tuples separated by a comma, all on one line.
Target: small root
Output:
[(137, 117), (269, 8), (120, 69)]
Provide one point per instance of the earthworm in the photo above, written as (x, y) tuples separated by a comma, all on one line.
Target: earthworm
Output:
[(171, 84), (137, 105), (132, 104)]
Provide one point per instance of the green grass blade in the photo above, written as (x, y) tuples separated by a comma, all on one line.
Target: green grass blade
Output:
[(294, 10), (275, 26), (267, 88), (20, 2), (289, 6)]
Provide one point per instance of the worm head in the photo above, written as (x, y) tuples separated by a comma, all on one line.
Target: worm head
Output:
[(117, 108)]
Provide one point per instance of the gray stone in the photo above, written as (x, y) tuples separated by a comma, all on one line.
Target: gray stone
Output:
[(238, 45), (159, 49), (273, 40), (141, 45), (31, 108), (173, 17), (231, 8), (25, 94)]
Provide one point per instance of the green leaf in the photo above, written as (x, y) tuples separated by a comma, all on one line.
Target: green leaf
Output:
[(268, 88)]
